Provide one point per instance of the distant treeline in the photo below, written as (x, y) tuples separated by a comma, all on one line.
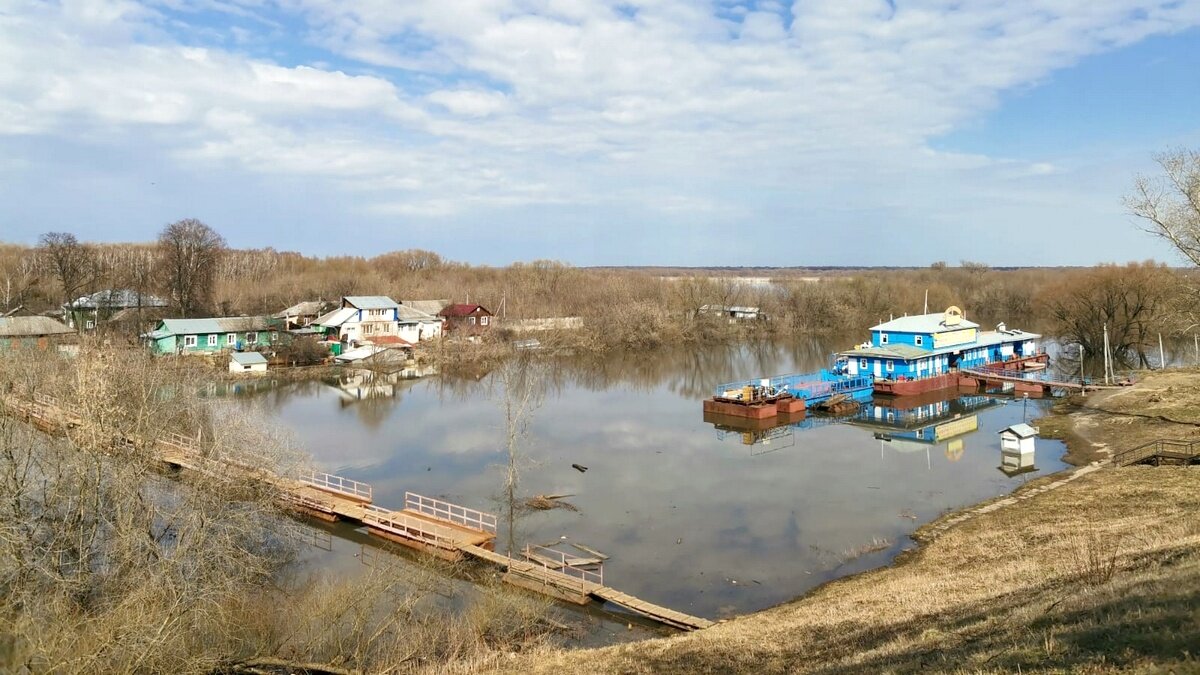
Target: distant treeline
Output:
[(643, 307)]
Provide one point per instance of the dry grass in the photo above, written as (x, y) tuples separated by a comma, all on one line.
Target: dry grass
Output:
[(1006, 590)]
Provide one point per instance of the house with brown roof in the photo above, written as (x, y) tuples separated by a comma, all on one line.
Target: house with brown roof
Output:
[(33, 332), (464, 319)]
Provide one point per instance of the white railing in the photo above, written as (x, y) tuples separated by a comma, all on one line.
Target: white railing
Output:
[(451, 513), (404, 525), (337, 484), (567, 566), (179, 440)]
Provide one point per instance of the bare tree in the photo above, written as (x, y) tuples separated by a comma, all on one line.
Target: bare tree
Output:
[(1170, 204), (190, 252), (72, 263)]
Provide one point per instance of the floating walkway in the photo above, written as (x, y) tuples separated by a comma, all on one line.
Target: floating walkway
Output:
[(432, 526)]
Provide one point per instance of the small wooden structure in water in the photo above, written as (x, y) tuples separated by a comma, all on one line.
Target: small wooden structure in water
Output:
[(433, 526)]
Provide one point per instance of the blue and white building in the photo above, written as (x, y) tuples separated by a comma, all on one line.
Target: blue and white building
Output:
[(928, 345)]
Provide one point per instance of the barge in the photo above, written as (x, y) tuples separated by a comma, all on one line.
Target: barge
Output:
[(917, 354)]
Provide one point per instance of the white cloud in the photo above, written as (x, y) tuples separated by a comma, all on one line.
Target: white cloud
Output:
[(669, 108)]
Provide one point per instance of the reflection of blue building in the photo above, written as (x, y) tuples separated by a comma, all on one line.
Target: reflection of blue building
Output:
[(917, 424)]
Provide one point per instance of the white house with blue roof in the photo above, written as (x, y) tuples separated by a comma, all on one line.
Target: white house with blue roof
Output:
[(362, 318), (928, 345)]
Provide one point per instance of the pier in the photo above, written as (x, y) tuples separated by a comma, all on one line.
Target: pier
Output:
[(426, 524)]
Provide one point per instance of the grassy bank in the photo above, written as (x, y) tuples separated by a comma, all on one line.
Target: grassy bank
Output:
[(1101, 574)]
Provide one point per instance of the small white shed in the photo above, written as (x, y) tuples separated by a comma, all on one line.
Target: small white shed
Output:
[(247, 362), (1018, 438)]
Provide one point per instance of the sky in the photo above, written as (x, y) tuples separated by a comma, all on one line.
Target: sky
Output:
[(640, 132)]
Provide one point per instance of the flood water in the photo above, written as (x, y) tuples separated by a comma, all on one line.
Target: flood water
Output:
[(697, 516)]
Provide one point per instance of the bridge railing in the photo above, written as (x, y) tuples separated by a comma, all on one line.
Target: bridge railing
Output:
[(449, 512), (579, 574), (808, 385), (339, 484), (404, 525), (1156, 447)]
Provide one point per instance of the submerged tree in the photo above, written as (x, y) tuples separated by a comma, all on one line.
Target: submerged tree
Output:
[(189, 253), (523, 388)]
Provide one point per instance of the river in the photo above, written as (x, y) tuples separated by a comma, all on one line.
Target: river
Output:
[(695, 516)]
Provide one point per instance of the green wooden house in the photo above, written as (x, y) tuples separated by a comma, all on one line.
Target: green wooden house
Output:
[(197, 336)]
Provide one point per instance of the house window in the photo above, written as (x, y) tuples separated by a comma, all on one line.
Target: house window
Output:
[(890, 366), (483, 321), (883, 338), (251, 338), (471, 320), (368, 328), (189, 340), (274, 336), (91, 324), (862, 363), (212, 340), (231, 339), (920, 340)]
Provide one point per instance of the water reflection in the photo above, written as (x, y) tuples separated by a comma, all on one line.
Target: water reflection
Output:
[(687, 522)]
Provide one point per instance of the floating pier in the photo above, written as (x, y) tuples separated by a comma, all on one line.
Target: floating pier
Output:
[(426, 524), (785, 394)]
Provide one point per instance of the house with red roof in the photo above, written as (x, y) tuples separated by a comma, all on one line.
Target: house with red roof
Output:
[(463, 319)]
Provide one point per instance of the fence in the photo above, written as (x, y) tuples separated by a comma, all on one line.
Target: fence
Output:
[(807, 385), (451, 513)]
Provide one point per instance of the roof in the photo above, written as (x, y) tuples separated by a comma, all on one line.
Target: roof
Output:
[(248, 358), (306, 308), (31, 326), (923, 323), (133, 313), (369, 301), (427, 306), (461, 310), (117, 298), (335, 318), (1020, 430), (410, 314), (725, 308), (226, 324), (395, 340), (993, 337), (904, 352)]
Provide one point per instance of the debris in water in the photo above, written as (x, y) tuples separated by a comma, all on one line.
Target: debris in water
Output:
[(579, 467), (589, 549), (547, 502)]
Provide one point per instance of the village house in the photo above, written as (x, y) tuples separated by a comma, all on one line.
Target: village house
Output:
[(302, 314), (416, 325), (33, 332), (467, 319), (361, 318), (428, 306), (87, 312), (199, 336), (733, 313)]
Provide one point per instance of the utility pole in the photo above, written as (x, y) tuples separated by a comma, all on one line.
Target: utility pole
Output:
[(1082, 372), (926, 301), (1107, 355), (1162, 356)]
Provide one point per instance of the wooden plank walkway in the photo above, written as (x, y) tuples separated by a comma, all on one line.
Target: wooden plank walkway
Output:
[(426, 524), (1161, 451), (1031, 377)]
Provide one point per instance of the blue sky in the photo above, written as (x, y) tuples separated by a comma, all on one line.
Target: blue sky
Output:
[(828, 132)]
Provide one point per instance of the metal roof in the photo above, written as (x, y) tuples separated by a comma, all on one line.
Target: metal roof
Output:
[(117, 298), (988, 338), (226, 324), (248, 358), (923, 323), (903, 352), (427, 306), (369, 301), (335, 318), (462, 310), (308, 307), (31, 326), (1020, 430), (409, 314)]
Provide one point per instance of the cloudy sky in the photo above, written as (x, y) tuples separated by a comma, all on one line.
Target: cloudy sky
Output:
[(690, 132)]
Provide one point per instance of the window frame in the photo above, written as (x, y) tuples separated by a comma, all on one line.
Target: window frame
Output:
[(919, 340), (190, 341), (890, 366), (483, 320), (231, 340), (883, 338), (212, 340), (251, 337)]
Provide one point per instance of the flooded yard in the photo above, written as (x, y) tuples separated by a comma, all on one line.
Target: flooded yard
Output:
[(702, 516)]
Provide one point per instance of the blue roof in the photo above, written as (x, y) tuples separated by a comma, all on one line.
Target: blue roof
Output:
[(370, 301), (226, 324)]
